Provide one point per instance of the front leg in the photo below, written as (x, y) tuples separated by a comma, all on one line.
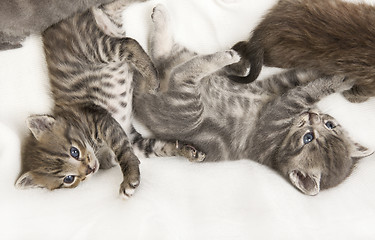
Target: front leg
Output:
[(136, 56), (324, 86), (128, 50), (304, 97), (107, 129), (186, 76)]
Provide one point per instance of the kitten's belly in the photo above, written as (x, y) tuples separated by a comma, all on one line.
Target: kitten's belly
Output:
[(118, 83)]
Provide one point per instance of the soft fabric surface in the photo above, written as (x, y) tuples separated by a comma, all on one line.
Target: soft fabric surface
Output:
[(178, 199)]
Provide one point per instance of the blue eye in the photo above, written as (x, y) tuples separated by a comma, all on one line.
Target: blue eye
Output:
[(69, 179), (308, 137), (330, 125), (74, 152)]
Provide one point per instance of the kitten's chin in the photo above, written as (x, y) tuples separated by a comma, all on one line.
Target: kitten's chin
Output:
[(95, 167)]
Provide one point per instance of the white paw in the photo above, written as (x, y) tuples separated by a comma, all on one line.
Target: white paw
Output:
[(234, 56), (159, 14), (128, 189)]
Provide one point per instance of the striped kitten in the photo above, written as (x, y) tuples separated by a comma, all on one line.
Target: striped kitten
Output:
[(331, 36), (91, 68), (274, 122)]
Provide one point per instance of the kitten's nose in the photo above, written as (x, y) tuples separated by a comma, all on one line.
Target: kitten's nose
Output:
[(89, 170), (314, 118)]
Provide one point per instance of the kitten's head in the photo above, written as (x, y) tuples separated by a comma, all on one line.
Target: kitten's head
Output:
[(317, 153), (55, 155)]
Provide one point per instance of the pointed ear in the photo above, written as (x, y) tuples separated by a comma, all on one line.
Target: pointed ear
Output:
[(26, 180), (38, 124), (361, 151), (309, 184)]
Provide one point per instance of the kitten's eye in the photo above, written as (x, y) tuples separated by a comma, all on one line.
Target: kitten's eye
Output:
[(74, 152), (330, 125), (69, 179), (308, 137)]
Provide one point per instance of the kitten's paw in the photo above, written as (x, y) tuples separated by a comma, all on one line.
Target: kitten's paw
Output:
[(233, 56), (152, 84), (341, 83), (159, 15), (128, 186), (190, 152), (226, 57), (353, 95)]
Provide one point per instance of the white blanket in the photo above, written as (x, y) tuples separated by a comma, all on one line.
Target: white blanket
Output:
[(178, 199)]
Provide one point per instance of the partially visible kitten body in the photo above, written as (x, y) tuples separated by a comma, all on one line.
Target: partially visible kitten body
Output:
[(273, 121), (331, 36), (20, 18), (91, 68)]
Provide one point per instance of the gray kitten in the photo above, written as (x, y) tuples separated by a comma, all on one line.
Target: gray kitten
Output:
[(20, 18), (274, 122), (330, 36)]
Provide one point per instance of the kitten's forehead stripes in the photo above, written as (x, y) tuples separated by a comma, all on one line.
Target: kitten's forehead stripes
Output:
[(55, 154), (56, 172), (67, 134)]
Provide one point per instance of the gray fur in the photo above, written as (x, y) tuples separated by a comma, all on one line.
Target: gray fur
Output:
[(20, 18)]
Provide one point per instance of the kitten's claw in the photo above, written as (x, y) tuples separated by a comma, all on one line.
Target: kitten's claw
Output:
[(190, 152)]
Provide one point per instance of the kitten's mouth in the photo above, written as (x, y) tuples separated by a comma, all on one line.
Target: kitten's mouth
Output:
[(92, 169), (96, 167)]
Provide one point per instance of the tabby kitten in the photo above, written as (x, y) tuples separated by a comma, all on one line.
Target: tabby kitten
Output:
[(20, 18), (331, 36), (91, 69), (274, 122)]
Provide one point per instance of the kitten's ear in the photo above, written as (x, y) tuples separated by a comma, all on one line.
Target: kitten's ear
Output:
[(309, 184), (26, 180), (361, 151), (38, 124)]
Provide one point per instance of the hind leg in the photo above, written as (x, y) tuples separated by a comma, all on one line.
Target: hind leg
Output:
[(160, 148), (164, 51), (161, 39)]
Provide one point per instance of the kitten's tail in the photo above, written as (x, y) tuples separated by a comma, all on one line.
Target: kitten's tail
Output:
[(252, 57)]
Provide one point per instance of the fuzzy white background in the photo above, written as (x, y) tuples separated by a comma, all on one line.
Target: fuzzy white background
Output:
[(178, 199)]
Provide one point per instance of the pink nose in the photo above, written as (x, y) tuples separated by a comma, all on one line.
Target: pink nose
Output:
[(314, 118)]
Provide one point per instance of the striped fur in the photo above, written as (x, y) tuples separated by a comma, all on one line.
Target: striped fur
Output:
[(266, 121), (93, 69)]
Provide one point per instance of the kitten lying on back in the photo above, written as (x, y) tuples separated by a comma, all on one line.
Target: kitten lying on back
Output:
[(331, 36), (91, 68), (274, 122), (20, 18)]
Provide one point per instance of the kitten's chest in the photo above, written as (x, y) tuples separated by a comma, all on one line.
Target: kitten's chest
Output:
[(221, 98)]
